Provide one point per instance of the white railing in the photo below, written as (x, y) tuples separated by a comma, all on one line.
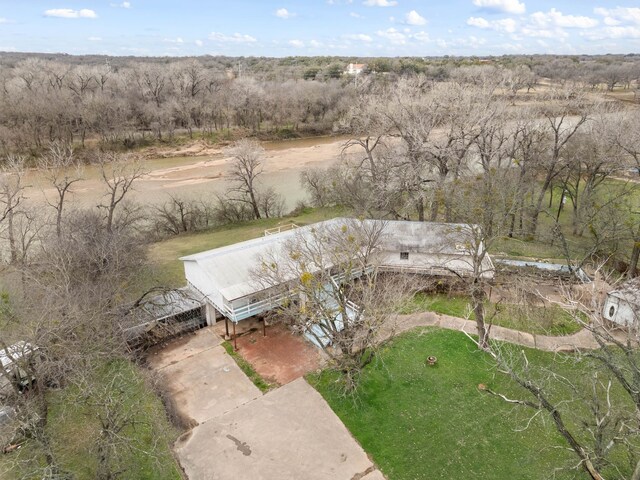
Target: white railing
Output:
[(281, 228), (246, 311)]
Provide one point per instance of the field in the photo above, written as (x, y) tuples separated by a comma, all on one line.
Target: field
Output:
[(74, 428), (424, 422)]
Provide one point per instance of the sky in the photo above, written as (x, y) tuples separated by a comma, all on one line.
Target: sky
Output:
[(357, 28)]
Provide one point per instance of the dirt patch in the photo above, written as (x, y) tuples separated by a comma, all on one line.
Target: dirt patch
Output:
[(280, 356)]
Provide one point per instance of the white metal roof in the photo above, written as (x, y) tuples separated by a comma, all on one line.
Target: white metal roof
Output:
[(16, 352), (227, 271), (628, 291)]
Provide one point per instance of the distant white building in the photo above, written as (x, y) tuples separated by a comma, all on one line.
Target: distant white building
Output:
[(225, 279), (355, 68), (622, 305)]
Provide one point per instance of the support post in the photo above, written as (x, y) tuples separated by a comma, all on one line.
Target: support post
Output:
[(235, 339), (264, 327), (226, 326)]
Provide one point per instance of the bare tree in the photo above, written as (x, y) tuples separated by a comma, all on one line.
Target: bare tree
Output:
[(246, 167), (11, 196), (590, 411), (334, 291), (118, 173), (565, 112), (61, 170)]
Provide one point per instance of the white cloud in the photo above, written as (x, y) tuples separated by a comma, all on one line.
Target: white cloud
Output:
[(3, 20), (296, 43), (95, 39), (70, 13), (422, 37), (393, 36), (355, 15), (506, 25), (552, 33), (414, 18), (619, 15), (478, 22), (380, 3), (178, 40), (235, 38), (198, 43), (315, 44), (284, 13), (558, 19), (121, 5), (358, 36), (615, 32), (506, 6)]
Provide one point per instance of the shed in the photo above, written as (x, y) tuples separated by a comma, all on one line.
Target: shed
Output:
[(163, 316), (10, 362), (622, 305)]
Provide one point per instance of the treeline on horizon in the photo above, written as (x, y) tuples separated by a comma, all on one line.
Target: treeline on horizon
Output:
[(121, 103)]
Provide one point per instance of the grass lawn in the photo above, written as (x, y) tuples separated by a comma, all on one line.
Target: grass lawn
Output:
[(432, 422), (74, 427), (167, 270), (551, 320)]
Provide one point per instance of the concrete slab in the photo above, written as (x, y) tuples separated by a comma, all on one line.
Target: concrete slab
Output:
[(204, 381), (289, 433), (183, 347)]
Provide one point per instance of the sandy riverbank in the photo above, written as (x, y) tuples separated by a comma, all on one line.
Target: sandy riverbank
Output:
[(197, 171)]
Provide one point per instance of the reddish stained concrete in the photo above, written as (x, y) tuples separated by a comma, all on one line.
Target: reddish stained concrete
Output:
[(279, 357)]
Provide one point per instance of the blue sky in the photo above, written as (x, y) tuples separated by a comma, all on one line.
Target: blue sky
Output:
[(320, 27)]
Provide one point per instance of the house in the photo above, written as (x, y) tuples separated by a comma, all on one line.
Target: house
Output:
[(622, 305), (355, 68), (225, 277)]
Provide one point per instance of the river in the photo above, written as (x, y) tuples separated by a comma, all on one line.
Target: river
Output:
[(200, 177)]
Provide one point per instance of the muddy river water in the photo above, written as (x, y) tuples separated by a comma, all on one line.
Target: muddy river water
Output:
[(199, 177)]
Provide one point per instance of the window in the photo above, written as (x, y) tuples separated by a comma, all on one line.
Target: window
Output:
[(612, 310), (404, 255)]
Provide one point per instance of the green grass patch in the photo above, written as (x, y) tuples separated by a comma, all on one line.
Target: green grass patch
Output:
[(432, 422), (548, 320), (248, 370), (74, 427)]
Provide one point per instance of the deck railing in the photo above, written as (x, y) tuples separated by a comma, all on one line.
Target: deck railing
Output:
[(280, 228)]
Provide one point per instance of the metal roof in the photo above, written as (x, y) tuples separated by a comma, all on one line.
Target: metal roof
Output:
[(16, 352), (228, 270), (628, 291)]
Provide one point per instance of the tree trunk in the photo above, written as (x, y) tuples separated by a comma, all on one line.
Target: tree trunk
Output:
[(254, 204), (633, 263), (11, 237), (478, 297)]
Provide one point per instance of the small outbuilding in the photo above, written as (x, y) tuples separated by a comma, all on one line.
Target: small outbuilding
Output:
[(622, 305), (11, 360)]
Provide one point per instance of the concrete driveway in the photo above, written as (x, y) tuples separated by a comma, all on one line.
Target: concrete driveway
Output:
[(289, 433), (203, 380)]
